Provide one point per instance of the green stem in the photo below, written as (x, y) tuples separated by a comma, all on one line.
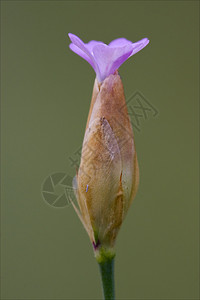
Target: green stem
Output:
[(107, 277)]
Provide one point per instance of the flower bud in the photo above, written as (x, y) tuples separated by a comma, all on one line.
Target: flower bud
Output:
[(108, 176)]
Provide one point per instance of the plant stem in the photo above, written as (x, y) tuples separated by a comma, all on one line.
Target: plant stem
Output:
[(107, 276)]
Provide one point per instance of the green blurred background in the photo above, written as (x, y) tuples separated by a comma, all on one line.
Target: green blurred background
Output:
[(46, 92)]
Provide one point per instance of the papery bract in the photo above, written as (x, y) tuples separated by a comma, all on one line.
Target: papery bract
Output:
[(107, 179)]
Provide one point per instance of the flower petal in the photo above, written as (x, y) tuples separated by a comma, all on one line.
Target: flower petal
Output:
[(79, 43), (110, 59), (120, 42), (139, 45), (91, 45), (78, 51)]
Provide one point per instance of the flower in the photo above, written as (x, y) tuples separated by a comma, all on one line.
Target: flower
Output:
[(108, 177), (106, 59)]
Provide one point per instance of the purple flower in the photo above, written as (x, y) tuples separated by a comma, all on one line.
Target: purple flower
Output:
[(106, 59)]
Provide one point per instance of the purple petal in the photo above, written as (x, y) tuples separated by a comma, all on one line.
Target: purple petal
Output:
[(78, 43), (78, 51), (91, 45), (110, 59), (120, 42), (139, 45)]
